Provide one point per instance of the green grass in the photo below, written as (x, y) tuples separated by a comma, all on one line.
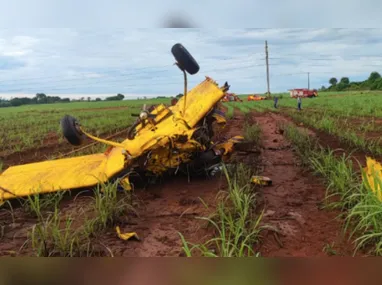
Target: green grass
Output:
[(361, 208), (108, 206), (252, 132), (365, 218), (353, 103), (336, 126), (236, 223), (58, 233), (329, 249), (36, 204), (230, 110), (30, 126)]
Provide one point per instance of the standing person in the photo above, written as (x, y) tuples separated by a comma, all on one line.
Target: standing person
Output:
[(299, 103), (275, 99)]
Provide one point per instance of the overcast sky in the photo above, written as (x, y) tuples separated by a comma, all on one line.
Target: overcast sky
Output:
[(101, 59)]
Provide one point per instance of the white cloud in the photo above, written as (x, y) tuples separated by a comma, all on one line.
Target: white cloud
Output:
[(139, 61), (213, 13)]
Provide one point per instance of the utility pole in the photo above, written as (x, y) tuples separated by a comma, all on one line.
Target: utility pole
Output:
[(267, 63), (308, 81)]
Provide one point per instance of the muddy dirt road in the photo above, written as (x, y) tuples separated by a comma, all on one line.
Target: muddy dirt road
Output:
[(293, 203)]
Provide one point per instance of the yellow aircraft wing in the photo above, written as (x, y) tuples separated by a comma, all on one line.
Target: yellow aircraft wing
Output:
[(87, 171), (62, 174)]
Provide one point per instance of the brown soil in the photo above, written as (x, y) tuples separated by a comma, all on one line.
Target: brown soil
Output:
[(334, 143), (293, 203), (165, 211), (292, 207), (355, 123), (172, 208)]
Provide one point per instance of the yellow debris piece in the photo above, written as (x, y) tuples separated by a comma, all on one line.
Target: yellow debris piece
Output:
[(126, 236), (373, 171), (125, 183), (261, 180), (227, 146)]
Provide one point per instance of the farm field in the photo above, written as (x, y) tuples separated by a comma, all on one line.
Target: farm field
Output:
[(32, 131), (317, 205)]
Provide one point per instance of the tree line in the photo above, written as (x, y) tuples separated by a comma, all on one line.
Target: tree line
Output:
[(374, 82), (42, 98)]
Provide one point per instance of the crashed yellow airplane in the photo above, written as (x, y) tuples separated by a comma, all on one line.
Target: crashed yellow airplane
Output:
[(162, 140)]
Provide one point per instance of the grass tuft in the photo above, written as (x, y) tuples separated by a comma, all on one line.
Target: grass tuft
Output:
[(235, 222)]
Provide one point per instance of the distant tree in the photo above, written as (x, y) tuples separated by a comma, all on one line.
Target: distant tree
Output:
[(16, 102), (323, 88), (333, 81), (4, 104), (345, 80), (89, 99), (376, 85), (98, 99), (374, 76), (41, 98), (115, 98), (341, 86), (179, 95)]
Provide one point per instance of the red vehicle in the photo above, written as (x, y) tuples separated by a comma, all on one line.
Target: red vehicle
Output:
[(230, 97), (303, 92)]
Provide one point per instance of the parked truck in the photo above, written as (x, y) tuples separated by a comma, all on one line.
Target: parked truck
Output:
[(303, 92)]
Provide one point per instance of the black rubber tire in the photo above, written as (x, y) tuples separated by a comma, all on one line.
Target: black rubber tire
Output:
[(131, 131), (70, 131), (185, 59)]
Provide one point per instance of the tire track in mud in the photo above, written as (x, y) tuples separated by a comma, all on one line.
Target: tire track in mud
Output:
[(293, 202)]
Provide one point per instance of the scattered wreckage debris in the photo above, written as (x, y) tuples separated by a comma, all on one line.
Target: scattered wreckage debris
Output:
[(261, 180), (162, 140), (126, 236)]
